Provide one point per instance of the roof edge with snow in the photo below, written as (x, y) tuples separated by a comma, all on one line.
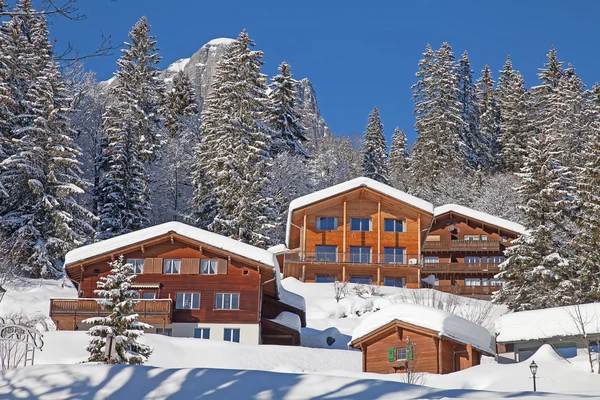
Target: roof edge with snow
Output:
[(480, 216)]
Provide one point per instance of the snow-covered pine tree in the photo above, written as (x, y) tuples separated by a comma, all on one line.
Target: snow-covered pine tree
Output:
[(117, 297), (130, 127), (399, 161), (375, 156), (333, 160), (180, 103), (438, 147), (475, 146), (233, 158), (552, 72), (288, 133), (536, 265), (489, 121), (43, 175)]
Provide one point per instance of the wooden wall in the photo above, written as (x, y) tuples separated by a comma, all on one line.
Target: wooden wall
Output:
[(467, 227)]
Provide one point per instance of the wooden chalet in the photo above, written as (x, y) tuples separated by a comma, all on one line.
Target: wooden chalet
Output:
[(464, 249), (362, 231), (419, 339), (191, 283)]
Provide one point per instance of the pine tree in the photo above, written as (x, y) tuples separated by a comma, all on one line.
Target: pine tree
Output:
[(553, 71), (489, 121), (536, 264), (288, 132), (399, 159), (117, 297), (131, 129), (233, 158), (375, 150), (475, 146), (180, 103), (42, 174)]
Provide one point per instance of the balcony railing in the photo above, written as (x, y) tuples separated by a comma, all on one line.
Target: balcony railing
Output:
[(461, 267), (489, 245), (90, 307), (353, 258), (468, 290)]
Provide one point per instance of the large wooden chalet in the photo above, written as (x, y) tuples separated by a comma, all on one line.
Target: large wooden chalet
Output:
[(191, 283), (367, 232)]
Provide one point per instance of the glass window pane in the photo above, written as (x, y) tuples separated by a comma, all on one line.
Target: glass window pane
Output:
[(236, 335), (148, 295), (204, 266), (388, 225), (354, 224), (326, 253), (227, 301), (213, 266), (219, 299), (227, 334), (399, 226), (324, 279), (196, 300), (235, 301), (176, 266), (179, 301)]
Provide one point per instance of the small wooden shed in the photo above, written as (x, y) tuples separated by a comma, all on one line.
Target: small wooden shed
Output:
[(418, 338)]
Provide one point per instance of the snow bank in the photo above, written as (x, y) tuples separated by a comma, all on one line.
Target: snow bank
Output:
[(448, 325), (480, 216), (290, 298), (289, 319), (351, 185), (212, 239), (278, 249), (547, 323), (220, 41)]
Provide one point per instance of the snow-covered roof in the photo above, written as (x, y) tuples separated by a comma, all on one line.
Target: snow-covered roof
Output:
[(446, 324), (278, 249), (352, 184), (288, 319), (480, 216), (290, 298), (219, 41), (547, 323), (212, 239)]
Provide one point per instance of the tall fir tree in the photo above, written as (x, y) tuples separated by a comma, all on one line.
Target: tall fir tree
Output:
[(131, 127), (475, 146), (489, 121), (399, 160), (288, 133), (552, 72), (375, 156), (42, 174), (234, 157), (180, 103), (118, 299)]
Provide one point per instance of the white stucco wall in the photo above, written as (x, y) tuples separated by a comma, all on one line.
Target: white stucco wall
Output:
[(249, 333)]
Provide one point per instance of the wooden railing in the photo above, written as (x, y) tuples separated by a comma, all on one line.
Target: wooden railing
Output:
[(144, 308), (353, 258), (492, 245), (468, 290), (461, 267)]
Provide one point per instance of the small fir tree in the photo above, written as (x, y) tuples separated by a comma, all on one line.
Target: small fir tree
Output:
[(489, 121), (399, 159), (375, 163), (118, 299), (475, 146)]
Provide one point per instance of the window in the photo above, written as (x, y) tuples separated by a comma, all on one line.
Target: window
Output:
[(360, 254), (202, 333), (360, 224), (431, 260), (472, 282), (394, 281), (393, 225), (483, 237), (497, 259), (137, 266), (327, 223), (484, 282), (231, 335), (504, 239), (167, 332), (325, 278), (208, 267), (326, 253), (472, 259), (187, 301), (365, 280), (171, 266), (227, 301), (472, 238), (148, 295), (394, 255), (496, 282), (400, 354), (136, 295)]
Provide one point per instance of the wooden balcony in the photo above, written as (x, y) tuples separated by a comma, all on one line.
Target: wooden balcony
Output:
[(148, 310), (462, 245), (461, 267), (468, 290), (353, 259)]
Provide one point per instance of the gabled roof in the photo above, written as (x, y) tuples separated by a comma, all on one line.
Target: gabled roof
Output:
[(353, 184), (446, 325), (209, 238), (480, 216), (547, 323)]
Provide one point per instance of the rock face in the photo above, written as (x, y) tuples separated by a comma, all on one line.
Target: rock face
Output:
[(200, 68)]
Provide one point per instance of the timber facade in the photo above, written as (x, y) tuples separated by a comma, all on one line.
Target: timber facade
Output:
[(187, 288)]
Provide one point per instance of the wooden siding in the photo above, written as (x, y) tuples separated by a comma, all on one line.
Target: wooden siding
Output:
[(274, 333), (271, 308)]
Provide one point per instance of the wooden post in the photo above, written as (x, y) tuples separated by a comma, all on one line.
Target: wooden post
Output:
[(303, 277), (304, 235), (343, 273), (164, 325), (470, 354), (344, 235), (379, 229), (441, 355), (437, 355), (378, 276), (419, 238), (364, 357)]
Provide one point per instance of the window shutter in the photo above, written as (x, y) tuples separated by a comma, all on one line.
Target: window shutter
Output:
[(186, 266), (158, 265), (195, 266), (391, 354), (149, 266), (221, 266)]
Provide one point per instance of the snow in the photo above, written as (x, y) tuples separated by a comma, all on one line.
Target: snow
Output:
[(290, 298), (212, 239), (289, 319), (278, 249), (448, 325), (351, 185), (546, 323), (220, 41), (480, 216), (178, 65)]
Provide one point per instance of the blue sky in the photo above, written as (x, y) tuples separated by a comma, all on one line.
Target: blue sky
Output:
[(358, 54)]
